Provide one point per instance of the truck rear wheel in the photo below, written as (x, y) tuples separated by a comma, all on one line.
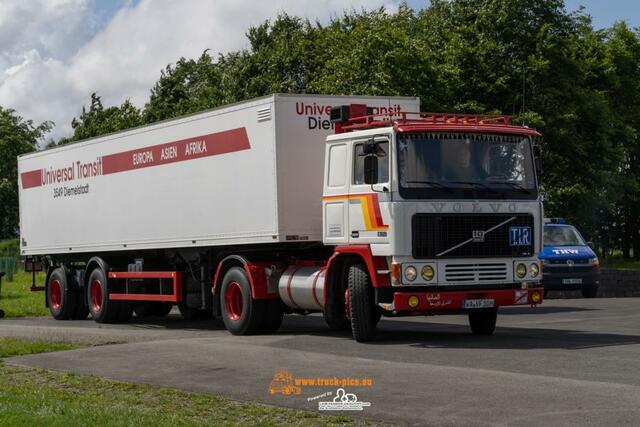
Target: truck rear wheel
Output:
[(241, 314), (361, 305), (483, 322), (63, 302), (101, 308)]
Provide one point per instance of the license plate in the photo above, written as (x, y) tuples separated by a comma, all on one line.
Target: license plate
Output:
[(479, 303), (571, 281)]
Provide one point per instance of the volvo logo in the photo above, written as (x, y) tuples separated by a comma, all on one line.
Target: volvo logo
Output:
[(570, 262), (477, 236)]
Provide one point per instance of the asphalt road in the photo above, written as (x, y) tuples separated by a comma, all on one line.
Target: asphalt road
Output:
[(568, 362)]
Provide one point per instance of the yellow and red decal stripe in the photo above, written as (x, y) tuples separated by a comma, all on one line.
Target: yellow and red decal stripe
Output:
[(370, 209)]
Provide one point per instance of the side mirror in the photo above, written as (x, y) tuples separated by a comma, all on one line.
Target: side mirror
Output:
[(370, 169), (370, 147), (537, 159)]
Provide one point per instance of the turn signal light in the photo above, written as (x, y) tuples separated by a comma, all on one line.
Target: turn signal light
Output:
[(395, 274), (536, 297), (413, 301)]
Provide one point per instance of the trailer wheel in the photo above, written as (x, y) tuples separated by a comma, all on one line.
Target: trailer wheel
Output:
[(63, 302), (101, 308), (361, 306), (241, 314), (483, 322), (273, 316)]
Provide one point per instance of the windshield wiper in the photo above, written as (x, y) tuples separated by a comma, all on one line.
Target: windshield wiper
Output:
[(433, 184), (479, 184), (514, 185)]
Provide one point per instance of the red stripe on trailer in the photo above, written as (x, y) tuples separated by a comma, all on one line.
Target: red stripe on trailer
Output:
[(31, 179), (176, 296), (212, 144)]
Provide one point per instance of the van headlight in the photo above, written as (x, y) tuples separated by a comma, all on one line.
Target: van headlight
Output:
[(410, 273)]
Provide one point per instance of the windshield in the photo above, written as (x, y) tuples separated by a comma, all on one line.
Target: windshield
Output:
[(465, 165), (562, 236)]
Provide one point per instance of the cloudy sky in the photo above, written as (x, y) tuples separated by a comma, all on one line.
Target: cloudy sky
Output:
[(54, 53)]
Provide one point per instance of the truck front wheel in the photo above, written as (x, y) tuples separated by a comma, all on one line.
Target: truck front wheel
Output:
[(241, 314), (483, 322), (362, 310)]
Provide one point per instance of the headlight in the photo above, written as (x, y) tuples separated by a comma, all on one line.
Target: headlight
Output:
[(521, 271), (534, 270), (427, 273), (594, 261), (410, 273)]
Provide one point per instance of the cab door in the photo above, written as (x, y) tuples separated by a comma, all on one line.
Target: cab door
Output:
[(335, 200), (368, 203)]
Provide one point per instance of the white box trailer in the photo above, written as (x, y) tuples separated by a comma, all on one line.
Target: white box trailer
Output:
[(247, 173), (284, 204)]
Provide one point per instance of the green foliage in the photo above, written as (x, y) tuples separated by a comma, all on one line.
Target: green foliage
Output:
[(9, 247), (99, 120), (17, 136), (18, 346), (31, 396), (531, 59), (17, 300)]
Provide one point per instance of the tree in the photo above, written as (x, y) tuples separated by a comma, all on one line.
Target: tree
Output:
[(17, 136), (99, 120)]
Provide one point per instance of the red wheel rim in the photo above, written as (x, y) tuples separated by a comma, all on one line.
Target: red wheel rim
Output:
[(96, 295), (233, 301), (56, 294)]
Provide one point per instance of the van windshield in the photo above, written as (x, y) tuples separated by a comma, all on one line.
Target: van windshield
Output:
[(564, 235), (465, 165)]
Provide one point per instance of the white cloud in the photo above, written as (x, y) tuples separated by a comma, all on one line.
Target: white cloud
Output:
[(53, 58)]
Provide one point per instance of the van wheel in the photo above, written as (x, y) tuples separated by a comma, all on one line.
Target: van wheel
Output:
[(590, 291), (483, 322), (101, 308), (241, 314), (63, 302), (361, 305)]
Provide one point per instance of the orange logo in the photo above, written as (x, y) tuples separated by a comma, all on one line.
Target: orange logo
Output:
[(282, 383)]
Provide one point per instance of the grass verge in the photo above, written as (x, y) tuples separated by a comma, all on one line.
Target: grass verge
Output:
[(30, 396), (18, 301)]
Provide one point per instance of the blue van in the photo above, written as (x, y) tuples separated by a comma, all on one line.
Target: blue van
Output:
[(569, 263)]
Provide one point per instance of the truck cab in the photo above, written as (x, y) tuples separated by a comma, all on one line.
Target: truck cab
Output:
[(446, 206)]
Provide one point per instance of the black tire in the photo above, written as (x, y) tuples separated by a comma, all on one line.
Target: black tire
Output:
[(63, 301), (589, 291), (104, 310), (1, 314), (361, 304), (483, 322), (273, 316), (250, 313)]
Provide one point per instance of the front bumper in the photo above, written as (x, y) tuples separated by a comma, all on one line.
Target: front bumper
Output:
[(564, 278), (433, 302)]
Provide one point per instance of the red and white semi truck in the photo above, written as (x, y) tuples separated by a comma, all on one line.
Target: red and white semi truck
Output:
[(284, 204)]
